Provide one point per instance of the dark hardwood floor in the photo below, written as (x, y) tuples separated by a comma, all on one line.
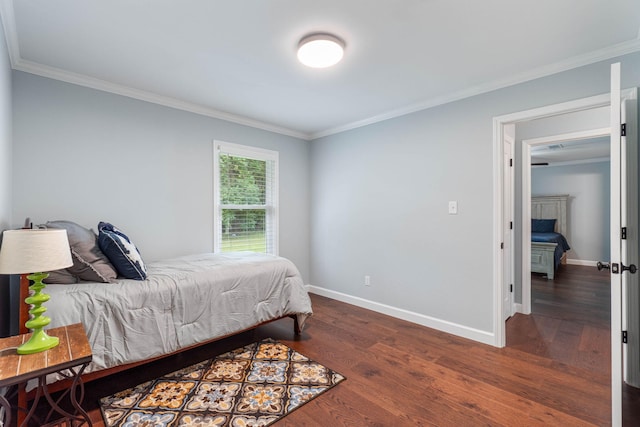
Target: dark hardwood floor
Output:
[(571, 323), (554, 371), (570, 320)]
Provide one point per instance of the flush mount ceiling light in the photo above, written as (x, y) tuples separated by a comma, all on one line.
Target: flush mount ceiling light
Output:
[(320, 50)]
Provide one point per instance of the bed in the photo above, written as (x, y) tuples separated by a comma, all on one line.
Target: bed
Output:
[(548, 230), (181, 303)]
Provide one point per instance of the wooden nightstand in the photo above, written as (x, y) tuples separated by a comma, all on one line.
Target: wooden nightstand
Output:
[(69, 359)]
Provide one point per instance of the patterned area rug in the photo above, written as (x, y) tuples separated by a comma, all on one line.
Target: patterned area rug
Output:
[(251, 386)]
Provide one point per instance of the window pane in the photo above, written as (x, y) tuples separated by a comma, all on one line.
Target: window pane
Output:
[(244, 230), (243, 180), (245, 198)]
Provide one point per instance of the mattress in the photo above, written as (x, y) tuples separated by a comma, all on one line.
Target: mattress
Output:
[(183, 302)]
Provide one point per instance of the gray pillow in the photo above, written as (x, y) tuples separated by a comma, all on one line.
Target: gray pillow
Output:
[(89, 263), (61, 277)]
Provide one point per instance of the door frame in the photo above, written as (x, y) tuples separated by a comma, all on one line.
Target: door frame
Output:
[(525, 191), (508, 208), (499, 122)]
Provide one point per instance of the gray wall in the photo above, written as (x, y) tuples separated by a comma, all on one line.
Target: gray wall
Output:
[(588, 207), (375, 202), (379, 200), (90, 156), (5, 170)]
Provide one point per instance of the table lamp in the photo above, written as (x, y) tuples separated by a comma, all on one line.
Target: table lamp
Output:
[(34, 251)]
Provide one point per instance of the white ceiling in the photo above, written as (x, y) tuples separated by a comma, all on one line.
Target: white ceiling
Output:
[(236, 59), (577, 151)]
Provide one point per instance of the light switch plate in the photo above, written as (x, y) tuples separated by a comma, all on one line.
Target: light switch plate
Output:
[(453, 207)]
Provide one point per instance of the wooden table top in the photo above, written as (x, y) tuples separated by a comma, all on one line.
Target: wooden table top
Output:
[(73, 350)]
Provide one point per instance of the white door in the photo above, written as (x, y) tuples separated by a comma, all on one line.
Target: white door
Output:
[(507, 232), (618, 263), (630, 282)]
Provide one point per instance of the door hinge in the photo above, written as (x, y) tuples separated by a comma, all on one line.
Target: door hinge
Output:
[(625, 338), (501, 245), (623, 129), (623, 233), (511, 162), (511, 287), (510, 225)]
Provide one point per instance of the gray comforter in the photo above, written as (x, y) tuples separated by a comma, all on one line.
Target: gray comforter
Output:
[(184, 301)]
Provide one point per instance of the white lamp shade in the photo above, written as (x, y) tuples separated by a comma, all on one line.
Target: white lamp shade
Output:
[(34, 251)]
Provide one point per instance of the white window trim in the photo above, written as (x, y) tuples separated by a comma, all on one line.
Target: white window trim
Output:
[(273, 221)]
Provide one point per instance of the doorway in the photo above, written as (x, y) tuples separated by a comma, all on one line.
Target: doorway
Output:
[(501, 126), (617, 290), (573, 139)]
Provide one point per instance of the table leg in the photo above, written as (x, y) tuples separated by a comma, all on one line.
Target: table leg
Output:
[(78, 387), (22, 402), (4, 403), (34, 406), (80, 414)]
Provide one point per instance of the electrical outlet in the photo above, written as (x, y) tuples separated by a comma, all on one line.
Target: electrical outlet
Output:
[(367, 280)]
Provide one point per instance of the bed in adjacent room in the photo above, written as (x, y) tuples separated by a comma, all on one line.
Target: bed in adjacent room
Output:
[(548, 230)]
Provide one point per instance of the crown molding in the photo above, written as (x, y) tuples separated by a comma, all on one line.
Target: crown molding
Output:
[(620, 49), (8, 21), (142, 95), (7, 16)]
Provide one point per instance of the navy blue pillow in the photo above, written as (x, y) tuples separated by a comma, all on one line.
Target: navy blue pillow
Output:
[(543, 225), (122, 253)]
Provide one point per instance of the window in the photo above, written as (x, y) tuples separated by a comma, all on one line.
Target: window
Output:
[(245, 199)]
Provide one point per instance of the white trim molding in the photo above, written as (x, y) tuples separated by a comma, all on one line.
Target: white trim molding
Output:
[(583, 262), (498, 135), (609, 52), (499, 327), (410, 316), (154, 98), (7, 15)]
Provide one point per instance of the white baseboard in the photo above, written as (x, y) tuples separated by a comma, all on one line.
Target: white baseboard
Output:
[(399, 313), (582, 262)]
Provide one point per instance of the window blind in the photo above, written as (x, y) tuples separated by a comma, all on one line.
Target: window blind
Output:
[(247, 202)]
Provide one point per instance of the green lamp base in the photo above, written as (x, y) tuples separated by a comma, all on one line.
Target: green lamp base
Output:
[(39, 340)]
